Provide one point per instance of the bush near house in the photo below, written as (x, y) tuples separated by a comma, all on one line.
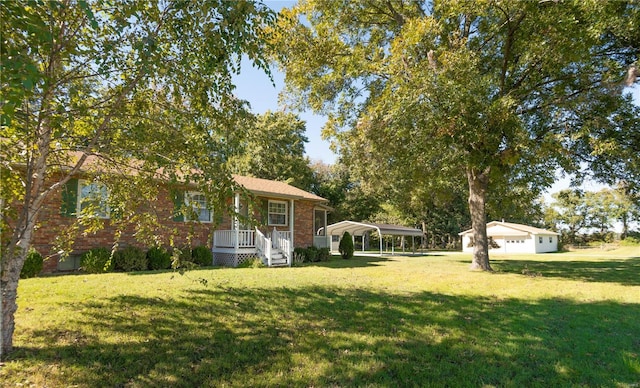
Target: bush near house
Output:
[(299, 255), (158, 258), (32, 265), (310, 254), (202, 256), (97, 260), (324, 254), (346, 246), (130, 259)]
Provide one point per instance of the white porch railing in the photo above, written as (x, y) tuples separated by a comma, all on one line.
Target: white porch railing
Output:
[(227, 238), (282, 241), (263, 245)]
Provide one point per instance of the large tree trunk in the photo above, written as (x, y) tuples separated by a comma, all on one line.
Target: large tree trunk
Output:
[(12, 262), (15, 254), (478, 183)]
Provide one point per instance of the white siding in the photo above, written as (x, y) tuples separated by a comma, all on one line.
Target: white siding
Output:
[(515, 241), (513, 244), (549, 243)]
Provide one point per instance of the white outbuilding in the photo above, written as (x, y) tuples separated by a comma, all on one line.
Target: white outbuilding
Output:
[(514, 238)]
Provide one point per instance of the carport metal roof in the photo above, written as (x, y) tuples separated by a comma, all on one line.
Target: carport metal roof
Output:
[(360, 228)]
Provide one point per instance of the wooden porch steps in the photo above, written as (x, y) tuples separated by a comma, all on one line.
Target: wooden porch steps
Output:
[(278, 259)]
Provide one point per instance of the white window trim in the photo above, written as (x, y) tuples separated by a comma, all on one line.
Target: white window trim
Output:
[(83, 183), (187, 202), (286, 212)]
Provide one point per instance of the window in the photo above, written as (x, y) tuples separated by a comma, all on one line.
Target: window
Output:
[(277, 213), (319, 227), (550, 239), (540, 239), (92, 199), (197, 209)]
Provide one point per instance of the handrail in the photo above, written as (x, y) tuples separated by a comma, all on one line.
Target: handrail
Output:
[(263, 245), (282, 241)]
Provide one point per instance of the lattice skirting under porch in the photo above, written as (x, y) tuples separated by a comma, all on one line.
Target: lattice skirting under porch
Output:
[(232, 259)]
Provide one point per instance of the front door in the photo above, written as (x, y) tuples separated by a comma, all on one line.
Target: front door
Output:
[(320, 228)]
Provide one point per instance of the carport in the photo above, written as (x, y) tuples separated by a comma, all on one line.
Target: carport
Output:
[(361, 228)]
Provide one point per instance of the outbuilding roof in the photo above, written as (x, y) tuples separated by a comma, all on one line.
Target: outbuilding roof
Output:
[(501, 228)]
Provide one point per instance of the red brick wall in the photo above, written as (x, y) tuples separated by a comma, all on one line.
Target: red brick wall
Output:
[(53, 223), (303, 231)]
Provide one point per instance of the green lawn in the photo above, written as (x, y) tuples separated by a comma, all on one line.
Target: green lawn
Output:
[(566, 319)]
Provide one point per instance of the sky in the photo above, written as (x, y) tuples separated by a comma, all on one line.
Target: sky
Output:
[(255, 86)]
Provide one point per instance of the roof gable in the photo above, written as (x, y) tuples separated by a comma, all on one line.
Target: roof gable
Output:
[(501, 228), (269, 187), (258, 186)]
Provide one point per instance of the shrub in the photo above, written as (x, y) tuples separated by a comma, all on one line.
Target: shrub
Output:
[(324, 254), (630, 241), (97, 260), (32, 265), (346, 246), (312, 254), (254, 262), (299, 255), (181, 258), (158, 258), (130, 259), (202, 256)]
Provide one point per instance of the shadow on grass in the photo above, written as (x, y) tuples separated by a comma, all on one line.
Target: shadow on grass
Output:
[(621, 271), (361, 261), (354, 262), (323, 336)]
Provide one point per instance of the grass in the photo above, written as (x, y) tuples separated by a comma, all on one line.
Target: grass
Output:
[(569, 319)]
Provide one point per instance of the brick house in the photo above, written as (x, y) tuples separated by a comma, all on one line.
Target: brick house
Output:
[(287, 217)]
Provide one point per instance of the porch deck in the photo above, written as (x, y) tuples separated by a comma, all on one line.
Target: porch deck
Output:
[(233, 247)]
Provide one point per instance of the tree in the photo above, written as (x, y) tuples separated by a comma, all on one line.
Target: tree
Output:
[(274, 149), (346, 246), (490, 92), (626, 207), (350, 201), (572, 211), (602, 209), (141, 88)]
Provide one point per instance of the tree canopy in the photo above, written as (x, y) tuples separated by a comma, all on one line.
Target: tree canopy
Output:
[(148, 81), (493, 94), (273, 148)]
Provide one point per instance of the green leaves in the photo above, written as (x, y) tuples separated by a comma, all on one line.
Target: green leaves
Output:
[(476, 84), (274, 149)]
